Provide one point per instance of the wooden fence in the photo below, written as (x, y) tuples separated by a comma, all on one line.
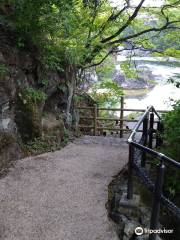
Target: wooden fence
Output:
[(119, 121)]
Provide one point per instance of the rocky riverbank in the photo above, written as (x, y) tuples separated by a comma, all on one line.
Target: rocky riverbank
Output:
[(143, 81)]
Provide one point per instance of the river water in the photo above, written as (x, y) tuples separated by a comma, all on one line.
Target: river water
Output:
[(160, 95)]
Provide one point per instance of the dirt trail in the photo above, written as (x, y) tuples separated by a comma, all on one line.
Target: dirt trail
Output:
[(62, 195)]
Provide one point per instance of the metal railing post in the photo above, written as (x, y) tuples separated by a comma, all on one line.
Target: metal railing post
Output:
[(154, 224), (121, 117), (145, 136), (95, 119), (151, 130), (130, 172), (159, 139)]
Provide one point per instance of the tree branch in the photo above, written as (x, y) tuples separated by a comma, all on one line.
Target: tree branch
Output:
[(164, 7), (130, 19), (111, 18), (112, 40), (101, 61), (120, 40)]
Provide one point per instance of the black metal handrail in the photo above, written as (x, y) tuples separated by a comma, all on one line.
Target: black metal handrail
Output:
[(156, 154), (138, 148)]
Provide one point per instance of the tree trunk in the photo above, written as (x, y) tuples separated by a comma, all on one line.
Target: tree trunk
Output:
[(70, 73)]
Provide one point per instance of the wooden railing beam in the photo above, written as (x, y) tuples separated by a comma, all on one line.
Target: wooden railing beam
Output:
[(119, 121)]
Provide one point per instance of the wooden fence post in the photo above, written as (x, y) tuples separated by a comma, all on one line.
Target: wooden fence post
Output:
[(95, 119), (121, 117)]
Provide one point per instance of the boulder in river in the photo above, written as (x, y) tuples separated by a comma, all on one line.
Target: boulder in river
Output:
[(143, 81)]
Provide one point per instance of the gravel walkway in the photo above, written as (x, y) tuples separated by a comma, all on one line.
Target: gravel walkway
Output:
[(62, 195)]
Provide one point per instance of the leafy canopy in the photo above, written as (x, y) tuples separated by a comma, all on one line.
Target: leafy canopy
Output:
[(84, 33), (106, 92)]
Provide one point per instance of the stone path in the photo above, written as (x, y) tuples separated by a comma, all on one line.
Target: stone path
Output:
[(62, 195)]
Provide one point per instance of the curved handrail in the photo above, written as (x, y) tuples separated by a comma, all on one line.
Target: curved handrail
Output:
[(149, 109), (157, 154), (131, 137), (137, 161)]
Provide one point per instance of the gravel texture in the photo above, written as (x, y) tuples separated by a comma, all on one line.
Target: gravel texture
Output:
[(62, 195)]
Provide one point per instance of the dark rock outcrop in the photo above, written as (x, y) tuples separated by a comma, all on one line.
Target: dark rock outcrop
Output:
[(144, 80), (10, 150), (21, 117), (132, 83), (119, 77)]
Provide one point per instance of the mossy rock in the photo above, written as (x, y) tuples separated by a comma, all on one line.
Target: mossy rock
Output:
[(54, 136), (28, 119), (5, 140), (10, 149), (52, 125)]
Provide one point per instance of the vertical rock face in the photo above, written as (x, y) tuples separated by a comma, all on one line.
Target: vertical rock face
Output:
[(21, 118), (17, 72), (28, 119), (10, 149)]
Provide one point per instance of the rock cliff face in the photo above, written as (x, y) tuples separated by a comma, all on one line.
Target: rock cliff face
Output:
[(26, 95)]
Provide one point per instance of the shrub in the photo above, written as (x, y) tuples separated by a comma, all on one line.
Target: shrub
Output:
[(32, 95), (172, 148), (172, 131)]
